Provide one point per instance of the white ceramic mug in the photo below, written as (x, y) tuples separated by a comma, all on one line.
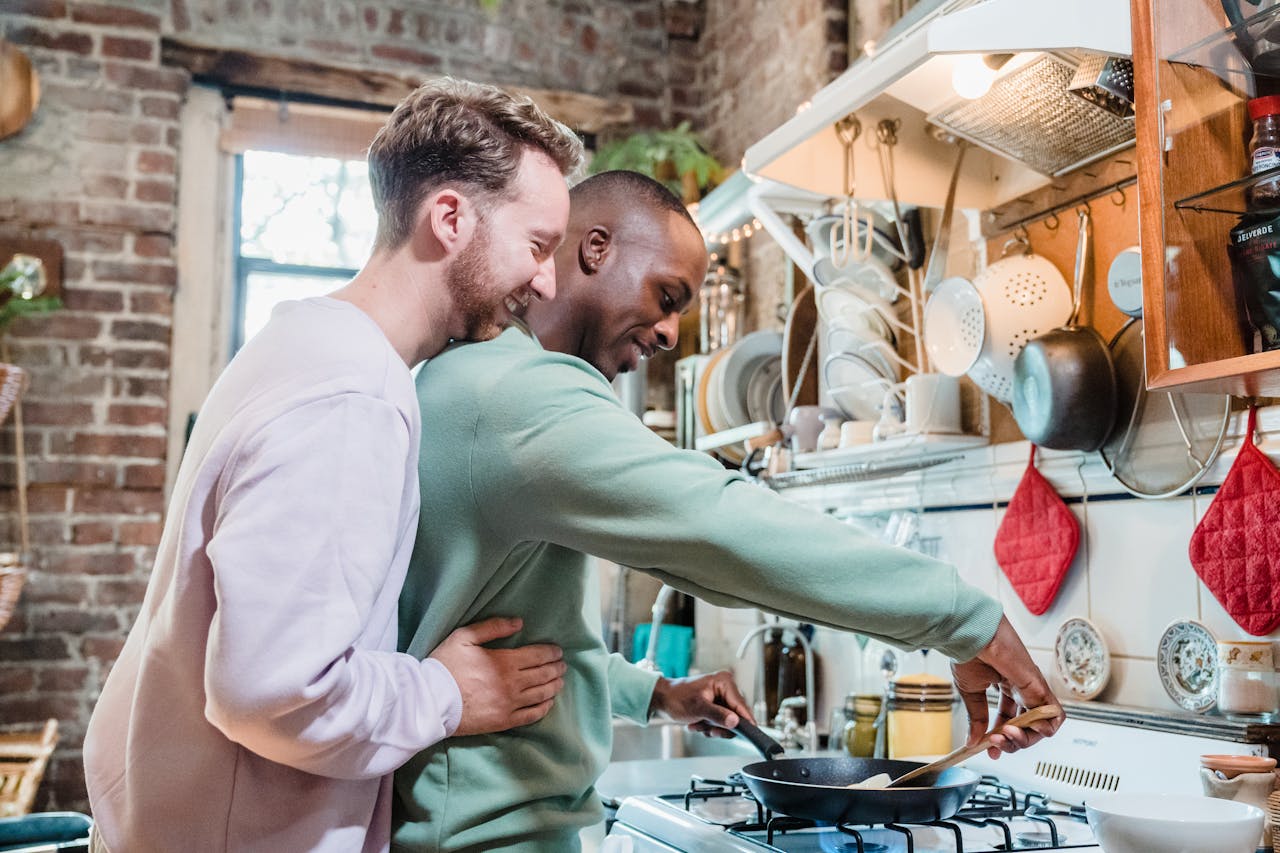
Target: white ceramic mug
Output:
[(854, 433), (933, 403), (806, 426)]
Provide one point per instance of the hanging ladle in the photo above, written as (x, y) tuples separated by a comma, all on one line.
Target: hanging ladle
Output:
[(848, 129), (1022, 721)]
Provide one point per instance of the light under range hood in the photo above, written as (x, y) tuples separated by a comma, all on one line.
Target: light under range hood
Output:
[(909, 77)]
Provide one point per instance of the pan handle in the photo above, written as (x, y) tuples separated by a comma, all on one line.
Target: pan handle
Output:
[(768, 747)]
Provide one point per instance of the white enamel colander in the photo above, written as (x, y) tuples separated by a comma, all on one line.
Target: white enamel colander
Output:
[(1023, 296)]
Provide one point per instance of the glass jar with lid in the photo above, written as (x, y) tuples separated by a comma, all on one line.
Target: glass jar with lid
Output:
[(721, 309), (1246, 679), (920, 715)]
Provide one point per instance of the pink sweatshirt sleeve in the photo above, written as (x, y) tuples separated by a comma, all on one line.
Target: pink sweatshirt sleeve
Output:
[(315, 520)]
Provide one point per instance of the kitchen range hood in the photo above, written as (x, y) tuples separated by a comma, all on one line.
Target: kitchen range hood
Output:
[(1026, 127)]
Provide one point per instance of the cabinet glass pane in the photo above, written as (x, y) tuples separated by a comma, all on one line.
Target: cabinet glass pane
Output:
[(1203, 81)]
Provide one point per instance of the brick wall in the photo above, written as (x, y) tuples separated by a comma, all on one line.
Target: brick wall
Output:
[(96, 171), (758, 61)]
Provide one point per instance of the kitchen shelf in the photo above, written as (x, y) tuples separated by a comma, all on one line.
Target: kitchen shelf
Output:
[(898, 448), (1230, 198)]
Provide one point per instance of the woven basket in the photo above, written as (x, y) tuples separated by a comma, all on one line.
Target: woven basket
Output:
[(23, 757)]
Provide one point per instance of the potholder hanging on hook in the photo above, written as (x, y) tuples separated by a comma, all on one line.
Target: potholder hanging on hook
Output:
[(1235, 548), (1037, 540)]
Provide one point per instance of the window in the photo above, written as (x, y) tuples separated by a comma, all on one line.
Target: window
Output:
[(306, 225)]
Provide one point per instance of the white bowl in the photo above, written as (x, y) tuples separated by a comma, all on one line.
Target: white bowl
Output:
[(1173, 823)]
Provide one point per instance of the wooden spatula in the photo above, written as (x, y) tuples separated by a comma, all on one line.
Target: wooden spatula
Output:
[(882, 780)]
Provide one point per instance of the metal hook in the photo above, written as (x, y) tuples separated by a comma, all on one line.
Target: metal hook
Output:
[(1119, 191), (1021, 234), (1051, 221), (887, 131), (1087, 208)]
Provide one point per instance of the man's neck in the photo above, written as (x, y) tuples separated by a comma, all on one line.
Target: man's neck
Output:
[(407, 299)]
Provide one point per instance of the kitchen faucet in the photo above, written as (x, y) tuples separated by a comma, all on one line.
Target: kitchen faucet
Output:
[(786, 720), (650, 661)]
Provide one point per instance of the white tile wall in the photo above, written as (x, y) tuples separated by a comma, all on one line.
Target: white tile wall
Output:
[(1131, 578)]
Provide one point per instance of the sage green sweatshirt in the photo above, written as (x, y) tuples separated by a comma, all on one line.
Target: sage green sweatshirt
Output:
[(528, 463)]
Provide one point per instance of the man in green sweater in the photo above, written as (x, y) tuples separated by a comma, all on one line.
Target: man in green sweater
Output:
[(532, 463)]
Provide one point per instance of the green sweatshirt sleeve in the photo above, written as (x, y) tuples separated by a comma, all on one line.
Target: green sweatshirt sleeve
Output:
[(630, 689), (557, 458)]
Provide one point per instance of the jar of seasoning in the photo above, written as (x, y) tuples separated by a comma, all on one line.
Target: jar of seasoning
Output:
[(722, 309), (1246, 679), (860, 730), (1264, 151), (920, 715)]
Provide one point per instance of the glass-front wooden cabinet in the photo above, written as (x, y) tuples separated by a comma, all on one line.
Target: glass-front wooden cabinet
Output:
[(1197, 65)]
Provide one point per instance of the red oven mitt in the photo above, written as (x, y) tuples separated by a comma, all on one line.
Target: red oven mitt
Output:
[(1235, 548), (1037, 540)]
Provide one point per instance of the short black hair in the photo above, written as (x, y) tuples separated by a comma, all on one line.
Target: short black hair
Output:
[(625, 185)]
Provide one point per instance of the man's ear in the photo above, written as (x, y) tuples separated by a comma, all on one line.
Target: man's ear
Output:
[(450, 218), (594, 248)]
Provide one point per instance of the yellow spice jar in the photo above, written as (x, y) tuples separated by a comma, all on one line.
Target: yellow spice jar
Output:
[(920, 715)]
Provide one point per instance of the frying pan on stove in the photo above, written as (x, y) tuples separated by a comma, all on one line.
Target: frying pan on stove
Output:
[(816, 788)]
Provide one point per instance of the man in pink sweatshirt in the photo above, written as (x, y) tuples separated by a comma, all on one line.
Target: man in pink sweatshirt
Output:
[(259, 703)]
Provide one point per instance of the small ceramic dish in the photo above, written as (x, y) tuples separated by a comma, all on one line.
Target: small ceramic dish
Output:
[(1232, 766), (1187, 660), (1081, 660)]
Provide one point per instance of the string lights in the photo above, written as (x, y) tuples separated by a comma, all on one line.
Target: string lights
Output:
[(734, 235)]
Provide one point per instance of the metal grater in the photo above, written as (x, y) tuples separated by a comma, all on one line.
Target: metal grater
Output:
[(1106, 81), (1029, 116)]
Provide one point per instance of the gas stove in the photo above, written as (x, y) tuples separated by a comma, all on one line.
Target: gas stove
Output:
[(1031, 800)]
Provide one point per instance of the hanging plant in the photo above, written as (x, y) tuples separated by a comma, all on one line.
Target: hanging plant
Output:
[(676, 157), (22, 283)]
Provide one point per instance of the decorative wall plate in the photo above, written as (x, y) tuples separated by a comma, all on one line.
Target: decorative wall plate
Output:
[(1081, 660), (1187, 659)]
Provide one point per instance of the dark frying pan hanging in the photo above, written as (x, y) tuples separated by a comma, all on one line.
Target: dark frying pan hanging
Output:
[(1064, 386), (817, 788), (1163, 441)]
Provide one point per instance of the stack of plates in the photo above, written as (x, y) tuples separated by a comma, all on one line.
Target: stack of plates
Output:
[(859, 368), (742, 384)]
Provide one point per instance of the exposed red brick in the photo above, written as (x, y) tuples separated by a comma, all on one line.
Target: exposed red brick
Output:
[(157, 163), (130, 415), (160, 107), (98, 444), (140, 533), (24, 649), (69, 678), (179, 16), (108, 15), (126, 48), (35, 213), (66, 620), (35, 412), (331, 47), (130, 216), (163, 192), (153, 246), (82, 562), (146, 133), (135, 273), (92, 533), (34, 8), (47, 498), (418, 58), (118, 501), (93, 299), (59, 324), (140, 358), (65, 42), (39, 707), (102, 648), (84, 240), (145, 79), (47, 589), (74, 473), (137, 330), (105, 186), (123, 590), (140, 387), (16, 679), (144, 476), (89, 100)]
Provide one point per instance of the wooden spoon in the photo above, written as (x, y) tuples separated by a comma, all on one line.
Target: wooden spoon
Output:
[(1022, 721)]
